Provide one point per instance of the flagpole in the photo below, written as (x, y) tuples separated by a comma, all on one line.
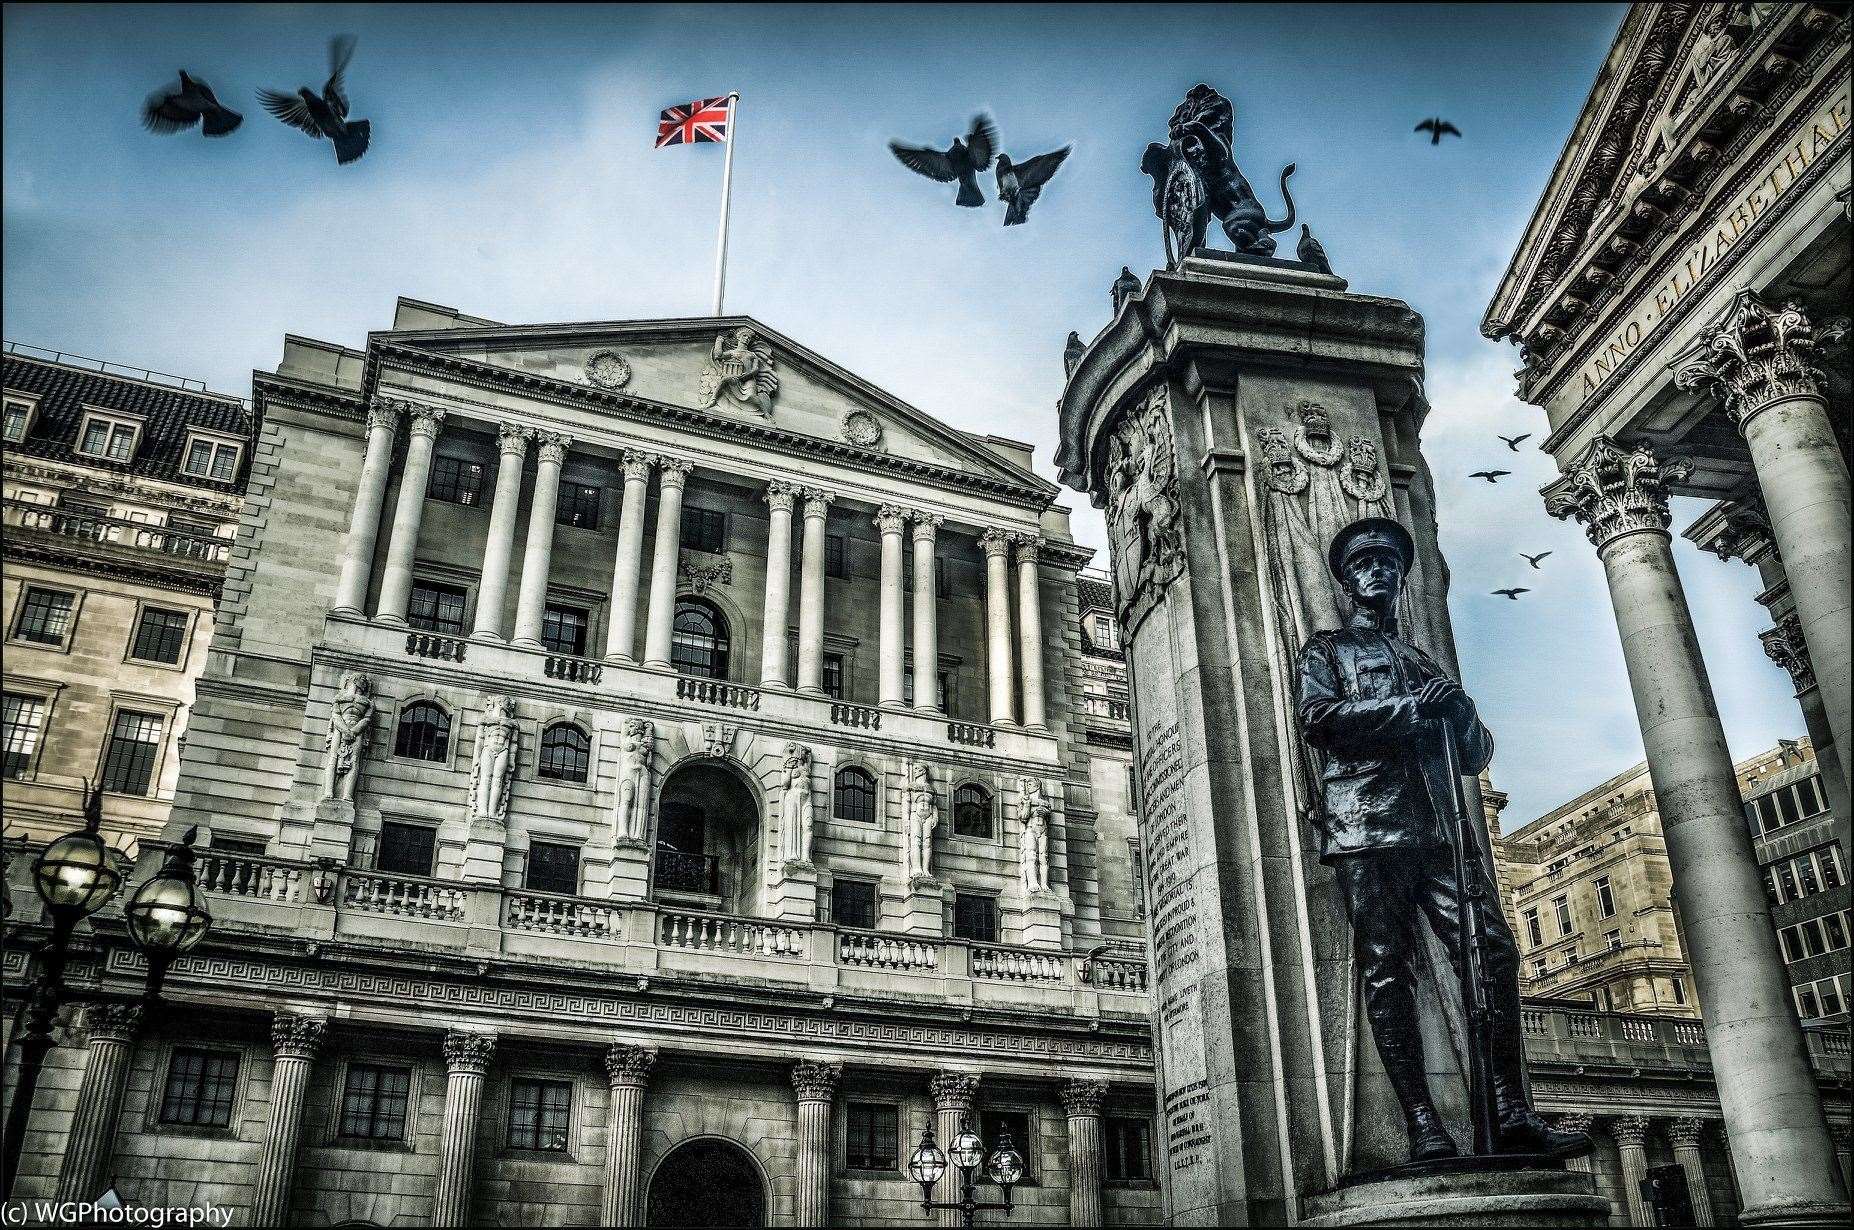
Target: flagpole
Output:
[(727, 181)]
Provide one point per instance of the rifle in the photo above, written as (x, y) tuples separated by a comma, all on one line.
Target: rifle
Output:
[(1471, 936)]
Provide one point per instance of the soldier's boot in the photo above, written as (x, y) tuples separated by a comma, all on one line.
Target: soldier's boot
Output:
[(1518, 1129), (1403, 1063)]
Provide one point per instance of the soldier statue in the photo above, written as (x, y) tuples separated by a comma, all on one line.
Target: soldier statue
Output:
[(1379, 709)]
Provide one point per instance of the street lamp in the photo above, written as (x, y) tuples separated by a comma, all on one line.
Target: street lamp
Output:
[(166, 915), (966, 1154)]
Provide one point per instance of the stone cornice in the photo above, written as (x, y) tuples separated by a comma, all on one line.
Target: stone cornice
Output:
[(208, 580)]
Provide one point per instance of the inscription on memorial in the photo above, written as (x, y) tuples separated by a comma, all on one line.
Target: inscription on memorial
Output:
[(1186, 1133), (1169, 864)]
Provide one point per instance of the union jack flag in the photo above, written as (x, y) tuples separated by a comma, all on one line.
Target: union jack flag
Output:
[(702, 120)]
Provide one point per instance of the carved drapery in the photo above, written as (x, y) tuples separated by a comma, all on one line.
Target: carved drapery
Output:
[(631, 819), (1612, 492), (1143, 515)]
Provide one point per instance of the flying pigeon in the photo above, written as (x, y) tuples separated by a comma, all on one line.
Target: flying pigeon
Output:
[(169, 110), (1492, 476), (1534, 559), (1437, 128), (1072, 352), (1512, 594), (327, 115), (1021, 183), (962, 161), (1513, 442), (1310, 251), (1125, 287)]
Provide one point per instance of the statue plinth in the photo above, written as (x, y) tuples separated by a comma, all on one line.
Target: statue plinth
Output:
[(792, 895), (1042, 913), (1464, 1195), (923, 908)]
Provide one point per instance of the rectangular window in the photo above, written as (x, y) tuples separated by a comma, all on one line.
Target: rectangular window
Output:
[(870, 1134), (578, 506), (1680, 991), (1828, 858), (1772, 892), (134, 739), (563, 630), (1807, 1005), (975, 917), (405, 849), (1831, 997), (942, 588), (18, 418), (1792, 944), (22, 722), (455, 481), (1836, 931), (1535, 934), (833, 676), (160, 636), (853, 903), (44, 616), (994, 1125), (1612, 940), (1805, 875), (109, 439), (1786, 805), (704, 529), (436, 608), (200, 1087), (1129, 1150), (1562, 907), (553, 867), (539, 1112), (1606, 899), (1813, 943), (213, 459), (237, 845), (836, 563), (373, 1102), (1809, 794), (1786, 876)]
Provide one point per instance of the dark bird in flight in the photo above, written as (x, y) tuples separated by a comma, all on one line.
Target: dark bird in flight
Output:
[(962, 161), (1310, 251), (1534, 559), (325, 115), (1512, 594), (1513, 442), (1437, 128), (1021, 183), (1492, 476), (1125, 287), (1072, 352), (170, 110)]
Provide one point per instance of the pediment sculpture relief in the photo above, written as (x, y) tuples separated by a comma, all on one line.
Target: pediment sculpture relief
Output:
[(740, 372)]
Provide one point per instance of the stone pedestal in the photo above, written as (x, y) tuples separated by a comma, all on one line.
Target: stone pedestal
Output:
[(1043, 920), (1496, 1198), (483, 849), (320, 830), (923, 907), (629, 878), (793, 894)]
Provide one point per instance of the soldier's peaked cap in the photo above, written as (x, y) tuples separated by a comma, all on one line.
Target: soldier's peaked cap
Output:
[(1368, 533)]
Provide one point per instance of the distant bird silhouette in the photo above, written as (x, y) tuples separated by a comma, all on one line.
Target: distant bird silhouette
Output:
[(961, 161), (1513, 442), (1492, 476), (1534, 559), (326, 115), (1021, 183), (1072, 352), (170, 110), (1512, 594), (1310, 251), (1437, 128), (1125, 287)]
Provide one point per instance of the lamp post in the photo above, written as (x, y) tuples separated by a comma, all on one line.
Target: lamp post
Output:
[(1005, 1167)]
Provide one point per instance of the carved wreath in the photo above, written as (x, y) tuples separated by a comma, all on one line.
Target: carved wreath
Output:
[(862, 429), (699, 579), (608, 370)]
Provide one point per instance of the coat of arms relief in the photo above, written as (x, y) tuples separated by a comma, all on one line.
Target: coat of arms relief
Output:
[(739, 372)]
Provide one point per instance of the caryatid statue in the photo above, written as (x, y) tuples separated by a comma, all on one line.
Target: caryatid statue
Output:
[(795, 805), (492, 772), (350, 722), (1393, 728), (633, 812), (920, 817), (1033, 839)]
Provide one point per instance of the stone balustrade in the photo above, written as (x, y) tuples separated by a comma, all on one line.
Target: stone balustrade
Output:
[(246, 875), (573, 670), (717, 692), (402, 896), (552, 914), (1115, 974), (729, 933), (138, 536), (863, 717), (431, 645), (876, 951), (1016, 964)]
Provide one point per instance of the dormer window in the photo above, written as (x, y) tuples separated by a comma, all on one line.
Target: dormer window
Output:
[(20, 411), (108, 436), (211, 456)]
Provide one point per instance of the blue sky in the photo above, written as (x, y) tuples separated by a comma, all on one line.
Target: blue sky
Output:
[(512, 176)]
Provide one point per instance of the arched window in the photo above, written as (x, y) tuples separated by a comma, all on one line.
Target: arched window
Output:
[(856, 795), (424, 732), (971, 811), (699, 641), (566, 753)]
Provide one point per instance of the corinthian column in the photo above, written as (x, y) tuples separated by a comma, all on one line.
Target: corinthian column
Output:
[(538, 557), (778, 614), (1582, 1124), (815, 1084), (926, 615), (673, 476), (1030, 631), (492, 591), (953, 1095), (1684, 1135), (811, 594), (91, 1146), (1631, 1137), (1761, 361), (1767, 1090), (890, 521), (1081, 1099), (628, 1069), (369, 500), (295, 1040), (997, 545), (466, 1056), (627, 568), (408, 513)]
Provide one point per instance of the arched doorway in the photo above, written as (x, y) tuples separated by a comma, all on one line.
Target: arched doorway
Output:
[(707, 1182), (708, 837)]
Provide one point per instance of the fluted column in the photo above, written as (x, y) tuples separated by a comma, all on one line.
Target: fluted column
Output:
[(91, 1146), (628, 1070), (627, 568), (1030, 630), (1631, 1136), (1582, 1124), (1767, 1089), (673, 475), (811, 594), (815, 1084), (1760, 360), (295, 1040), (1684, 1135), (779, 497), (1081, 1101), (466, 1058), (926, 615), (890, 521), (408, 513), (369, 503), (997, 547), (953, 1095), (492, 590), (537, 557)]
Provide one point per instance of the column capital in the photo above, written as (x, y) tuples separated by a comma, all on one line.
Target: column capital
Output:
[(781, 494), (891, 519), (675, 470), (1756, 355), (384, 412), (817, 500), (112, 1020), (1082, 1097), (1580, 1123), (297, 1037), (1612, 492), (627, 1065), (553, 445), (996, 544), (1629, 1131), (512, 440), (1028, 546), (468, 1052), (1685, 1132), (815, 1082), (425, 419), (953, 1090), (1784, 645), (636, 464), (926, 525)]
